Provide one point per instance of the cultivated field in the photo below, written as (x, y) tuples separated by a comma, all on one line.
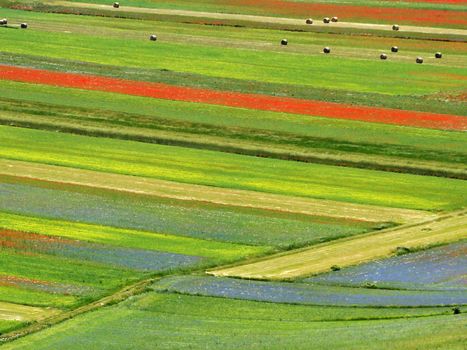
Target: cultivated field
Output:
[(222, 174)]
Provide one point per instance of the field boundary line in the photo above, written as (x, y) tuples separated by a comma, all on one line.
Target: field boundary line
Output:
[(209, 194), (295, 269), (261, 19), (121, 295)]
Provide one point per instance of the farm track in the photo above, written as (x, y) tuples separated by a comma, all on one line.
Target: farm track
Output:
[(261, 19), (209, 194), (352, 251), (232, 99), (119, 296)]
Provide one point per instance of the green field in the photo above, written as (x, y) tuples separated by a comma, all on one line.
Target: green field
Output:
[(183, 322), (116, 210)]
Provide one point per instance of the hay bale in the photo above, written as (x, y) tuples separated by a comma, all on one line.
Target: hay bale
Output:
[(309, 21), (394, 49), (327, 50), (116, 5), (284, 42), (326, 20), (395, 27), (438, 55), (3, 22), (24, 25), (335, 19), (153, 37), (383, 56), (419, 60)]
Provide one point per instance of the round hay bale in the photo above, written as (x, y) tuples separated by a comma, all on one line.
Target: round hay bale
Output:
[(335, 19), (394, 49), (4, 22), (438, 55), (383, 56), (116, 5), (395, 27), (153, 37), (24, 25), (327, 50), (419, 60), (326, 20), (309, 21), (284, 42)]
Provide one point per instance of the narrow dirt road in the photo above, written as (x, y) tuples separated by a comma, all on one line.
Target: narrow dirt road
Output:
[(260, 19)]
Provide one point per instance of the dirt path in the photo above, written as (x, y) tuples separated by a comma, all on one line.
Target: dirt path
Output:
[(125, 293), (209, 194), (261, 19), (353, 250)]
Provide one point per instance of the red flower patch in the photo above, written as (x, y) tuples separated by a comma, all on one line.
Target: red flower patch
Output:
[(235, 99)]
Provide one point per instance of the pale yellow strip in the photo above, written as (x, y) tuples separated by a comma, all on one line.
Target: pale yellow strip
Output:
[(352, 250), (215, 195)]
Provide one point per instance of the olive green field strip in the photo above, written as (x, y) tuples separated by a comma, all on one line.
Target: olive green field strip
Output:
[(17, 312), (352, 251), (192, 166), (407, 55), (220, 196), (259, 19), (268, 134)]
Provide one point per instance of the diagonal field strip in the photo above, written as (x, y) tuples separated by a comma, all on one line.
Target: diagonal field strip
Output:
[(235, 99), (210, 194), (351, 251), (259, 19), (16, 312)]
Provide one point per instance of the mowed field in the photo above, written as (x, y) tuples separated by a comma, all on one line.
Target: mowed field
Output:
[(146, 185)]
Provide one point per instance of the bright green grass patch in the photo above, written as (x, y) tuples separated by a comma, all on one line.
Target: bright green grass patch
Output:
[(7, 325), (180, 322), (217, 251), (63, 270), (352, 74), (36, 298), (233, 171)]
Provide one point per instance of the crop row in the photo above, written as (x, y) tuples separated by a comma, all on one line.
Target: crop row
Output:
[(302, 293), (232, 171)]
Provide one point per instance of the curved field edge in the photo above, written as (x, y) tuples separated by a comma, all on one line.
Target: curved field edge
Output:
[(351, 251), (198, 322), (306, 294)]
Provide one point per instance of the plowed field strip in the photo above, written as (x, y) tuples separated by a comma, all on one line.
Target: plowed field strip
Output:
[(265, 19), (352, 251), (232, 99), (220, 196)]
